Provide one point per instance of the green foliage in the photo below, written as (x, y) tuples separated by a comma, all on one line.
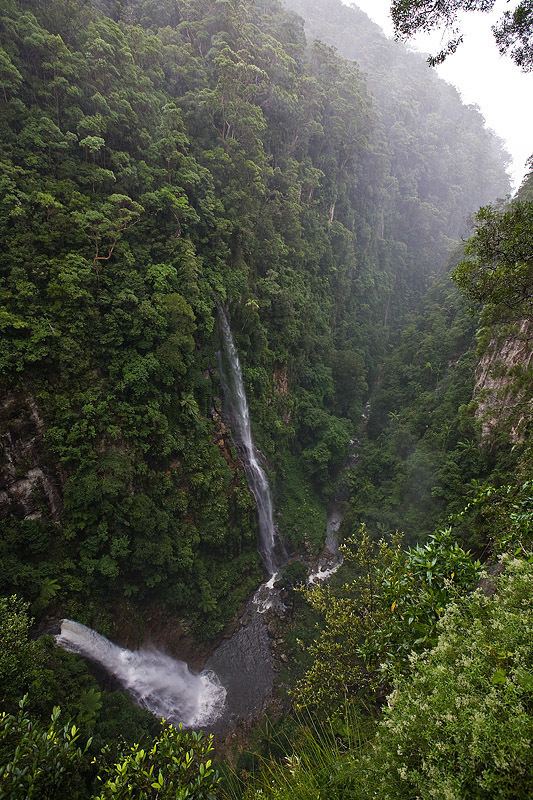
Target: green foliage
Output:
[(461, 726), (38, 761), (498, 268), (293, 575), (457, 725), (302, 516), (21, 659), (176, 766), (420, 448), (157, 158), (513, 32), (51, 761), (500, 515), (426, 140), (390, 609)]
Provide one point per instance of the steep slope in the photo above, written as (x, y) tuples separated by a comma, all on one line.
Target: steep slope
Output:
[(422, 451), (158, 159), (421, 447), (498, 271), (435, 146)]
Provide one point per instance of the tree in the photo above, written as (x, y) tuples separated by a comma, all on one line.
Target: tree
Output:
[(52, 761), (372, 624), (498, 268), (21, 659), (460, 725), (513, 32)]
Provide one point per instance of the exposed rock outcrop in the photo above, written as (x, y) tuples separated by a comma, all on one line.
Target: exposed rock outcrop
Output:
[(281, 381), (281, 386), (222, 438), (504, 383), (29, 486)]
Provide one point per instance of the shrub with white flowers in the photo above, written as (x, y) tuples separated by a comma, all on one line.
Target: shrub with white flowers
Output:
[(460, 726)]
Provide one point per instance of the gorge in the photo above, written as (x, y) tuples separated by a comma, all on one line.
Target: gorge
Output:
[(265, 370)]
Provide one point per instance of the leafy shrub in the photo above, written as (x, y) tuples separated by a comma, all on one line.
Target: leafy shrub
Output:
[(176, 767), (501, 515), (48, 762), (460, 727), (39, 761), (20, 658), (498, 267), (372, 623)]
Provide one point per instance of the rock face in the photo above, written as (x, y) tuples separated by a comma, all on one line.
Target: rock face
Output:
[(503, 383), (29, 487), (280, 378)]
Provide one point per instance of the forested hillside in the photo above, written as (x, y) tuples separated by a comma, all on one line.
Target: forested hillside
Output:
[(158, 159), (204, 199), (427, 134)]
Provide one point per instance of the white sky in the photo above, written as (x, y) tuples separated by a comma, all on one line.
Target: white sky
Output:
[(483, 77)]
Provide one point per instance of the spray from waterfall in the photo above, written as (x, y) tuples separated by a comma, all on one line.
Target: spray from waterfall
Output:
[(239, 415), (161, 684)]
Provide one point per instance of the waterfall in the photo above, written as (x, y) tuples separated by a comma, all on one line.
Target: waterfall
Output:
[(331, 560), (162, 685), (239, 415)]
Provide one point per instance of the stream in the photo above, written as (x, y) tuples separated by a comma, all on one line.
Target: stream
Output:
[(237, 682)]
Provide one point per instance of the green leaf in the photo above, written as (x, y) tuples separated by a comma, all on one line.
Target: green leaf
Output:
[(499, 677)]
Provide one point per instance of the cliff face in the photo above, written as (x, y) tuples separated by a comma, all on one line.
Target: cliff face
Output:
[(503, 383), (28, 488)]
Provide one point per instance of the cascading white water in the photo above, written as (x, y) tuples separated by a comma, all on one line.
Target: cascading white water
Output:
[(332, 558), (237, 409), (162, 685)]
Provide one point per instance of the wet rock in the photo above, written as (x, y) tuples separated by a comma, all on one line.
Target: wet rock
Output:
[(244, 666)]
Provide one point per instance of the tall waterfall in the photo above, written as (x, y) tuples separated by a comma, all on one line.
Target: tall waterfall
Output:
[(237, 409), (162, 685)]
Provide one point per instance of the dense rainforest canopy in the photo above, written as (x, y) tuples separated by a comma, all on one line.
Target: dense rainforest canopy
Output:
[(159, 160)]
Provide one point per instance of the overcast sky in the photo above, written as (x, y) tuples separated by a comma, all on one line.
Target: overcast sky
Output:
[(502, 91)]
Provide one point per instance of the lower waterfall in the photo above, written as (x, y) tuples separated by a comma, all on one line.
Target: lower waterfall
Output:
[(159, 683)]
